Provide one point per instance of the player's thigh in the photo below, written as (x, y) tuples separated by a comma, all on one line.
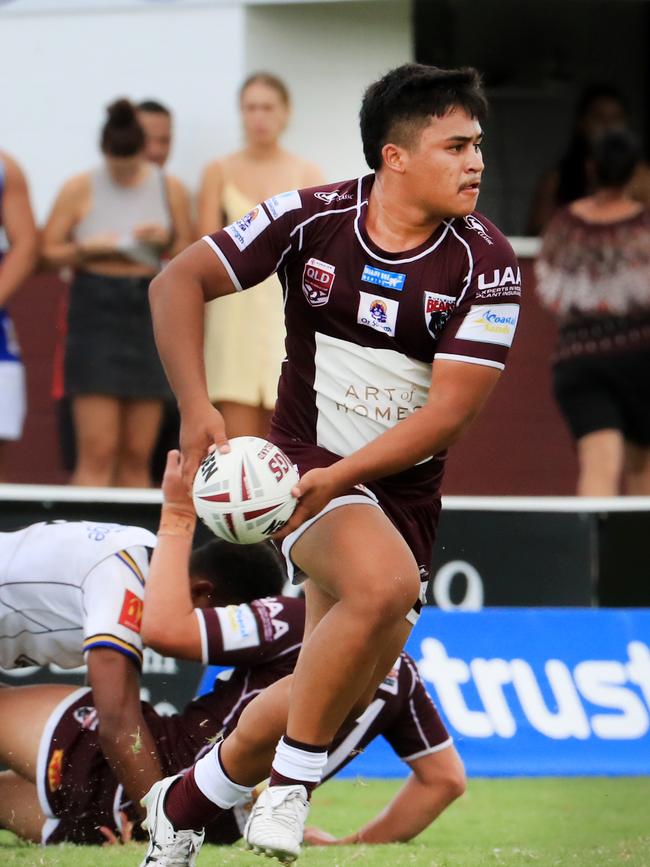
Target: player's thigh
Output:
[(20, 810), (24, 711), (354, 553)]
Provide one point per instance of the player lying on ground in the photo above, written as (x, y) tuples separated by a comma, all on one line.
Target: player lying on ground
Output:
[(261, 640), (400, 307), (72, 593)]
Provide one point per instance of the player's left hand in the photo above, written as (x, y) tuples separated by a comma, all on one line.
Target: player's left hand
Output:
[(318, 837), (175, 493), (124, 834), (313, 492)]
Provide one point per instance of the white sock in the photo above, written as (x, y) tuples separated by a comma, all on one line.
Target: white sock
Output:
[(215, 784), (297, 764)]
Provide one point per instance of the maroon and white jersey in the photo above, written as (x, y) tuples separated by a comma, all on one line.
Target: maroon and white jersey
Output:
[(364, 326)]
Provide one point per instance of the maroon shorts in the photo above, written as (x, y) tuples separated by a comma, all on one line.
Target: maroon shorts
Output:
[(410, 502)]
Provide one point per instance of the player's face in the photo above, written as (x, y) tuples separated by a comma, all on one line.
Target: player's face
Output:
[(158, 135), (264, 113), (444, 166)]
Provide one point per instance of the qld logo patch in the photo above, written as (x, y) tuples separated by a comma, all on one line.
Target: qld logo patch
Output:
[(387, 279), (437, 310), (131, 613), (317, 281), (380, 314), (244, 231)]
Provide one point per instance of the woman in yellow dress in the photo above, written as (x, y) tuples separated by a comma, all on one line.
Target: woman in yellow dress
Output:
[(245, 332)]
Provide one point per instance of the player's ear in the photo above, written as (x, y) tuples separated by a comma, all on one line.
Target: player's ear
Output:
[(393, 157), (202, 592)]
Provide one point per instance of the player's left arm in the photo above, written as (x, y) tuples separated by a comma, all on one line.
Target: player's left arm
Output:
[(169, 624), (469, 359), (21, 231), (125, 739)]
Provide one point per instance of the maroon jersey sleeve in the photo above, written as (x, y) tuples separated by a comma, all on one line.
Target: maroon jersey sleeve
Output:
[(253, 633), (482, 323), (417, 729), (255, 246)]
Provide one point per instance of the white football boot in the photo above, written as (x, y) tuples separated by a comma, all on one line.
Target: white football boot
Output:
[(167, 846), (276, 824)]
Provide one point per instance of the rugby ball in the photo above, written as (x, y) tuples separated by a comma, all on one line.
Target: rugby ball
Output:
[(245, 496)]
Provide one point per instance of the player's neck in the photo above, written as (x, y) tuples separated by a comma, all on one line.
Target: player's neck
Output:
[(393, 222)]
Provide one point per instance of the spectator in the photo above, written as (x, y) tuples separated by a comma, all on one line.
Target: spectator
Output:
[(113, 224), (243, 374), (15, 266), (156, 121), (594, 273), (599, 109)]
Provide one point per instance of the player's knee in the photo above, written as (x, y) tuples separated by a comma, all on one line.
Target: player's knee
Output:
[(392, 598), (453, 782)]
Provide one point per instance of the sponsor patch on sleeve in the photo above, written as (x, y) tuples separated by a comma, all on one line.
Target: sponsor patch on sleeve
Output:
[(131, 613), (490, 323), (250, 226), (283, 203), (238, 627)]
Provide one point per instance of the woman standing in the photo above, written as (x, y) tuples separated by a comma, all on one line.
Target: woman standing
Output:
[(112, 225), (594, 274), (243, 373)]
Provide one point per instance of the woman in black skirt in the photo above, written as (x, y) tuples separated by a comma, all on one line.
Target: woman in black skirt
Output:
[(112, 225)]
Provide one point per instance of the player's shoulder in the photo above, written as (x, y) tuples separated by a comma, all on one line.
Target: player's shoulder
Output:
[(482, 236), (319, 199)]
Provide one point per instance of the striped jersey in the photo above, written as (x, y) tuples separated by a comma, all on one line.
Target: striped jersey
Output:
[(68, 587)]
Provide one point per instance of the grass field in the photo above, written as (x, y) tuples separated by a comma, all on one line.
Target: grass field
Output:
[(576, 822)]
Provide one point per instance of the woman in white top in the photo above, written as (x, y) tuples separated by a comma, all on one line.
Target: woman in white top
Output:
[(242, 372), (113, 225)]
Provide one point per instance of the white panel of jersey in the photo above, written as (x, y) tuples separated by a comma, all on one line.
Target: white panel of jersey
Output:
[(67, 587), (361, 392)]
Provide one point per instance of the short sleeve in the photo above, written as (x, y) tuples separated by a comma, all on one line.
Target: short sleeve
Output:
[(482, 325), (113, 594), (417, 729), (250, 634), (254, 247)]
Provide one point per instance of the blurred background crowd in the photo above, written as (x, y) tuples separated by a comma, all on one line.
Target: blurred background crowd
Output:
[(85, 400)]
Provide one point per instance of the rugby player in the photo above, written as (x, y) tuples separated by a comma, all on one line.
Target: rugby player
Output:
[(401, 304), (82, 802)]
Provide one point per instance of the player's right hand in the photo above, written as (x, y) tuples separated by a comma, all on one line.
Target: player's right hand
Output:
[(174, 492), (202, 430)]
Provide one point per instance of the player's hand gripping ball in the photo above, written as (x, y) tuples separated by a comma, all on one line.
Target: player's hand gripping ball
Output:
[(245, 496)]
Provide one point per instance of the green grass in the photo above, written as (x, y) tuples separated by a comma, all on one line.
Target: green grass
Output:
[(595, 822)]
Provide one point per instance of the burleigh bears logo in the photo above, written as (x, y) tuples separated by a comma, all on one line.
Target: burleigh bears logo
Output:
[(437, 310)]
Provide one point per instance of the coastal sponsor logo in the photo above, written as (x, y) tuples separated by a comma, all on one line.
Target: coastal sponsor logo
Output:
[(477, 226), (238, 627), (379, 314), (437, 310), (317, 281), (333, 196), (486, 323), (387, 279), (604, 699), (55, 770), (497, 283), (244, 231), (283, 203)]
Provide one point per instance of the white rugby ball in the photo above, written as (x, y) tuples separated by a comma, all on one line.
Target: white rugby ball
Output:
[(245, 496)]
